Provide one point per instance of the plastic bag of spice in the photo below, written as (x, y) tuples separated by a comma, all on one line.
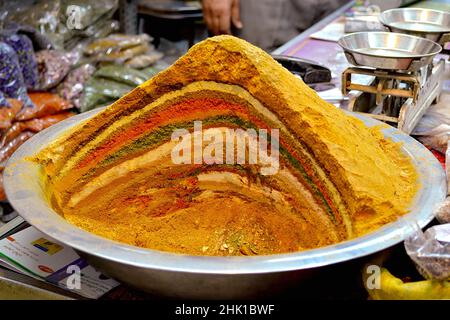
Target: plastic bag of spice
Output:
[(39, 40), (99, 91), (443, 212), (8, 110), (39, 124), (108, 88), (8, 149), (115, 43), (23, 47), (122, 74), (144, 60), (72, 87), (33, 125), (430, 251), (11, 79), (119, 57), (45, 104), (53, 66)]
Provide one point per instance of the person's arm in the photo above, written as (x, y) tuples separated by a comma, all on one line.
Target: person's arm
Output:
[(220, 14)]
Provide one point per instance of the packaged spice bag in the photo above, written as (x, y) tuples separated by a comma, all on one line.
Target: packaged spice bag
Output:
[(12, 83), (119, 57), (33, 125), (101, 91), (39, 124), (23, 47), (45, 103), (144, 60), (115, 43), (122, 74), (8, 149), (8, 110), (431, 252), (53, 66), (72, 87)]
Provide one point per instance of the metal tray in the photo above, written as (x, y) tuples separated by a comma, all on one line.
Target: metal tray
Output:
[(431, 24), (211, 277), (388, 50)]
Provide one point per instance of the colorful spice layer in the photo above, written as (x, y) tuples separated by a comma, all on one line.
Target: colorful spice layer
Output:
[(337, 179)]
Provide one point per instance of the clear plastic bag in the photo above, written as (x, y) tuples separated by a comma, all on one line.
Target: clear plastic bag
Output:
[(430, 251), (72, 87), (119, 57), (40, 41), (115, 43), (53, 66), (122, 74), (33, 125), (23, 47), (11, 80), (144, 60), (8, 110), (8, 149), (434, 127), (100, 91), (108, 88), (45, 103)]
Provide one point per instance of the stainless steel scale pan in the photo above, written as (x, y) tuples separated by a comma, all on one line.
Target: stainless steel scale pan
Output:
[(430, 24), (388, 50)]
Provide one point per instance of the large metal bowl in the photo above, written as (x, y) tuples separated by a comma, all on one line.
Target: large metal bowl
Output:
[(388, 50), (210, 277), (426, 23)]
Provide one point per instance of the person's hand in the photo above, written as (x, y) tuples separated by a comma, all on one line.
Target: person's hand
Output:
[(220, 14)]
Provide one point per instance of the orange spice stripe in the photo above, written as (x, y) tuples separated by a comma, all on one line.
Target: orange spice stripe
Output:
[(194, 109)]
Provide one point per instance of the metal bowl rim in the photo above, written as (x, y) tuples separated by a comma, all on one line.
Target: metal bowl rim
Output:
[(388, 23), (110, 250), (411, 56)]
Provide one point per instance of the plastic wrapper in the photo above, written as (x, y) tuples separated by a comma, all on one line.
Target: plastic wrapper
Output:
[(40, 41), (108, 88), (33, 125), (122, 74), (92, 99), (11, 79), (150, 71), (62, 20), (72, 87), (434, 127), (115, 43), (99, 91), (8, 149), (430, 251), (443, 212), (101, 29), (45, 104), (8, 110), (119, 57), (23, 47), (39, 124), (144, 60), (53, 66)]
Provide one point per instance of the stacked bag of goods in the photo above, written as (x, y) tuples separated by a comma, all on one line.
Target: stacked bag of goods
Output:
[(42, 83), (25, 108), (109, 83), (64, 23), (126, 61)]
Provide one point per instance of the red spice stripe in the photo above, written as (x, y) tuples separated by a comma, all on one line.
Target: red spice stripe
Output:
[(194, 109)]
